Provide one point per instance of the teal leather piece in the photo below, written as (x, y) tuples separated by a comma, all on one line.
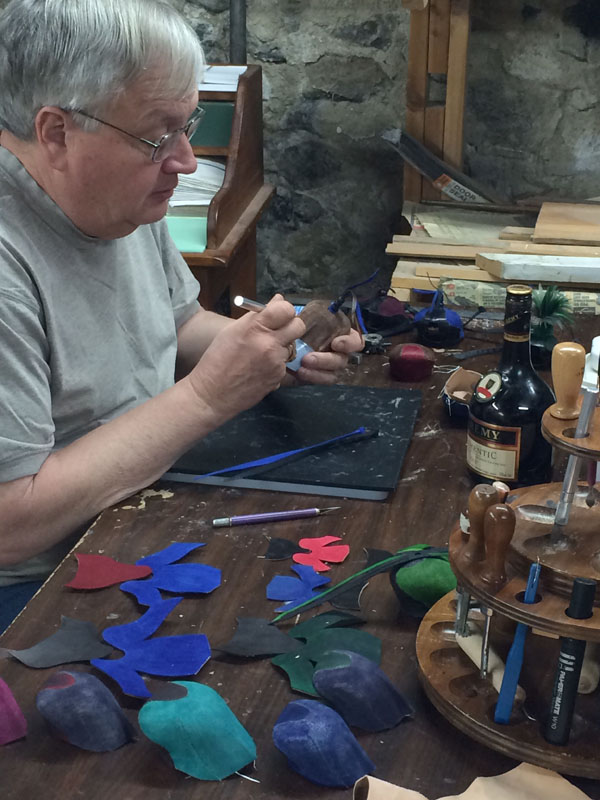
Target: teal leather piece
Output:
[(188, 233), (200, 732)]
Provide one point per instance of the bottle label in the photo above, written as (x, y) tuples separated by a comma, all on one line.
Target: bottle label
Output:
[(488, 387), (493, 450)]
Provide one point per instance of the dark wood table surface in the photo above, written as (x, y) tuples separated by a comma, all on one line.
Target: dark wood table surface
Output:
[(426, 754)]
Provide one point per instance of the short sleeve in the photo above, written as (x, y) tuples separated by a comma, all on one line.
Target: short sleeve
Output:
[(27, 431), (183, 287)]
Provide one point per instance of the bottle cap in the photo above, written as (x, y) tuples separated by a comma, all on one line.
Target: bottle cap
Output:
[(582, 598), (518, 288)]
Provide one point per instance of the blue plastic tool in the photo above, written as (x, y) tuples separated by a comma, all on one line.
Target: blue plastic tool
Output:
[(514, 662)]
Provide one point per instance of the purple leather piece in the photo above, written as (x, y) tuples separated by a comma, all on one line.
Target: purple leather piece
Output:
[(13, 724), (82, 710)]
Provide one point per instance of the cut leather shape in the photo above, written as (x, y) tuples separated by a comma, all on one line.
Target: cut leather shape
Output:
[(299, 671), (295, 590), (13, 724), (98, 572), (299, 666), (75, 640), (200, 732), (358, 579), (172, 577), (278, 549), (328, 619), (350, 599), (81, 710), (421, 583), (255, 637), (359, 691), (319, 745), (321, 549), (169, 656)]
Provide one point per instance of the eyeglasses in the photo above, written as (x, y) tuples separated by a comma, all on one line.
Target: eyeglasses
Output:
[(167, 141)]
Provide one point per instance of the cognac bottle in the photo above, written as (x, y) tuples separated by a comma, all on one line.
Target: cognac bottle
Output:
[(504, 439)]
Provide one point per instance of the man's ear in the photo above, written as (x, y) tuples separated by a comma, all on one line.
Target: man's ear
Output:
[(52, 128)]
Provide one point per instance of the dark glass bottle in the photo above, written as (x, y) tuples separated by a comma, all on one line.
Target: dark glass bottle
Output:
[(504, 439)]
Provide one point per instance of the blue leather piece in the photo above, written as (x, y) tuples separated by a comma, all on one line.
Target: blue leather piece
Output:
[(319, 745)]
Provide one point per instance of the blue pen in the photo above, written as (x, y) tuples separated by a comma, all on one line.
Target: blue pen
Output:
[(514, 662)]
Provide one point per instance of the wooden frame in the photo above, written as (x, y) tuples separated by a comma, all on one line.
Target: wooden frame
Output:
[(229, 261), (438, 45)]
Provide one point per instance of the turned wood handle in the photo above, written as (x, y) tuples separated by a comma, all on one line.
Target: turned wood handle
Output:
[(322, 325), (499, 527), (482, 496), (568, 362)]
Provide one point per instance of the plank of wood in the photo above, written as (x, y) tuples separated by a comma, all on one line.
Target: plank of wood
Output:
[(568, 223), (416, 94), (472, 273), (456, 82), (399, 294), (432, 249), (433, 139), (516, 233), (404, 277), (439, 37), (415, 5), (452, 249), (549, 269)]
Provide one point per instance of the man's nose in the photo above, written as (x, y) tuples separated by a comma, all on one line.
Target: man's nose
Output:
[(182, 158)]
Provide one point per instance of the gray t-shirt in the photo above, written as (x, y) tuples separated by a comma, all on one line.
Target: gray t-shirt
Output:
[(88, 329)]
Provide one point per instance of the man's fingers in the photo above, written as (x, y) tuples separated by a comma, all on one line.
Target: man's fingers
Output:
[(279, 315)]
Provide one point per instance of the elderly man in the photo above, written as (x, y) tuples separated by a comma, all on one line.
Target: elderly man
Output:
[(97, 307)]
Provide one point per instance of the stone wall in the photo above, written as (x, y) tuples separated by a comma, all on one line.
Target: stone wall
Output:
[(334, 81), (334, 78)]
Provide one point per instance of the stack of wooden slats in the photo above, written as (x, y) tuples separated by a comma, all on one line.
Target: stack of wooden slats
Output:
[(562, 249)]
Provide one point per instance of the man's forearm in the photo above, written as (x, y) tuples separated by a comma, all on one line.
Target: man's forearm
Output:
[(195, 336), (100, 469)]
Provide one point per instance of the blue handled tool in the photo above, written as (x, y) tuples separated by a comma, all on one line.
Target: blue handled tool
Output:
[(514, 662)]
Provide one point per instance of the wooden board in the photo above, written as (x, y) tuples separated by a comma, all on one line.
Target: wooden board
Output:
[(463, 273), (551, 269), (405, 245), (568, 223), (416, 93), (456, 82), (516, 233), (404, 277)]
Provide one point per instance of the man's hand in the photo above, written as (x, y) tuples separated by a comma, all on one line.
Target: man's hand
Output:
[(246, 359), (324, 367)]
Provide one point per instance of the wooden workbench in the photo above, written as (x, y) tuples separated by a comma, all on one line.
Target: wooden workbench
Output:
[(426, 754)]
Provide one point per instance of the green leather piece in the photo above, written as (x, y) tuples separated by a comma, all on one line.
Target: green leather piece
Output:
[(300, 665), (188, 233), (200, 732), (424, 582)]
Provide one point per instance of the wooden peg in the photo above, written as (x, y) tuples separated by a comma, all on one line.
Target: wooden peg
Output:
[(568, 362), (482, 496), (499, 527)]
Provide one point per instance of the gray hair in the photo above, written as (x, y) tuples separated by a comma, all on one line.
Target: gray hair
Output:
[(83, 53)]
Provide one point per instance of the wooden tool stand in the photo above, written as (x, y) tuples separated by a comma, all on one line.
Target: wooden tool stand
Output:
[(497, 579), (229, 261)]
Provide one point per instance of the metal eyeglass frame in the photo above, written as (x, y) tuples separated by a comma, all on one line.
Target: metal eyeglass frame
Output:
[(190, 127)]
